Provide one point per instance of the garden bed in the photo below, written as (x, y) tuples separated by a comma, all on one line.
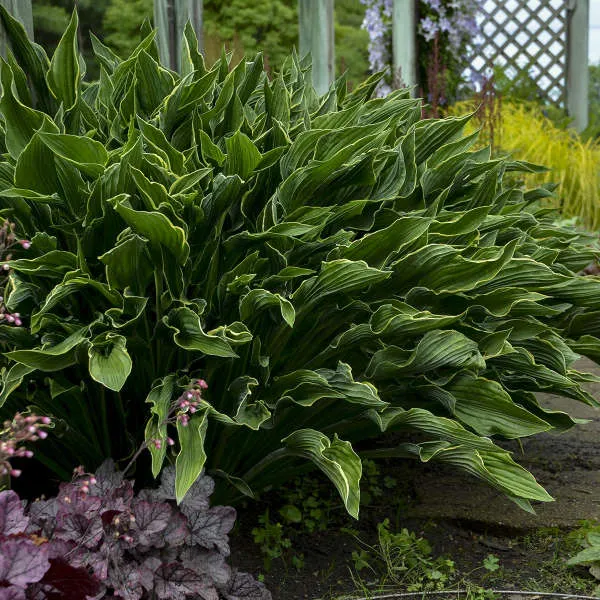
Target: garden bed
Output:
[(460, 517)]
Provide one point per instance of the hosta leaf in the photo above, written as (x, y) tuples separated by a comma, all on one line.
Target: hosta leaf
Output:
[(437, 349), (51, 357), (377, 248), (191, 457), (109, 362), (484, 406), (190, 335), (64, 76), (160, 398), (306, 387), (335, 458), (258, 300), (21, 121), (88, 155), (336, 277), (155, 227), (400, 320), (12, 379), (56, 262), (242, 156), (128, 264), (31, 57)]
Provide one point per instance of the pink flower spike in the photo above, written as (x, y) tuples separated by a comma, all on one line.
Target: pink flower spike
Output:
[(46, 420), (92, 481), (202, 384), (170, 441), (26, 244), (43, 434), (15, 473), (28, 454), (18, 322)]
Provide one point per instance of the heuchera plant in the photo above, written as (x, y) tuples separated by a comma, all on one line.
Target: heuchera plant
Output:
[(97, 538)]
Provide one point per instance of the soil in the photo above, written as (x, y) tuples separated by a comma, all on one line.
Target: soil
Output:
[(459, 516)]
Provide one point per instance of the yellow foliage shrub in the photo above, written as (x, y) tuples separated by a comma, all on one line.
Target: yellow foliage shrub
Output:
[(524, 132)]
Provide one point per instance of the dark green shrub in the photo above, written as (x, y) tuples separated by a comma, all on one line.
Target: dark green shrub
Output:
[(333, 267)]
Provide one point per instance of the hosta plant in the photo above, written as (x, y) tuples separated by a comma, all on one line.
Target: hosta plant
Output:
[(99, 539), (266, 277)]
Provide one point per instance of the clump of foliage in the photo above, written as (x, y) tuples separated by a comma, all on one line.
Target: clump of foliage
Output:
[(98, 538), (588, 539), (403, 559), (524, 131), (331, 267)]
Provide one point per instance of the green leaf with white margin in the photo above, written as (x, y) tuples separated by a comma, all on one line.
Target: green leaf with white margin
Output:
[(109, 362), (11, 379), (64, 76), (51, 358), (486, 407), (336, 277), (258, 300), (128, 264), (251, 413), (242, 155), (305, 387), (155, 227), (160, 398), (496, 467), (190, 335), (21, 121), (376, 248), (437, 349), (335, 458), (191, 458), (88, 155)]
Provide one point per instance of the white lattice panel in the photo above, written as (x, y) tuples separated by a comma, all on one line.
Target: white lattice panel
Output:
[(525, 35)]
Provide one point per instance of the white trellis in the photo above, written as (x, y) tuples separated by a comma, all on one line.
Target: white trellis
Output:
[(546, 39)]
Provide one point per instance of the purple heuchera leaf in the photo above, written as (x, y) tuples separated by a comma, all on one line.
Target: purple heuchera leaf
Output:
[(151, 521), (197, 496), (207, 563), (175, 582), (42, 515), (126, 580), (12, 517), (22, 562), (12, 593), (245, 587), (209, 529)]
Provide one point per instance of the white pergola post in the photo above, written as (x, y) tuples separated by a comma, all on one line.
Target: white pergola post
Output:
[(577, 62), (404, 43), (315, 19), (170, 17), (21, 9)]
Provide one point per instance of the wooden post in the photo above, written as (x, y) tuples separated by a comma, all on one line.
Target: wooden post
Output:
[(315, 18), (170, 17), (21, 9), (404, 42), (577, 62)]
